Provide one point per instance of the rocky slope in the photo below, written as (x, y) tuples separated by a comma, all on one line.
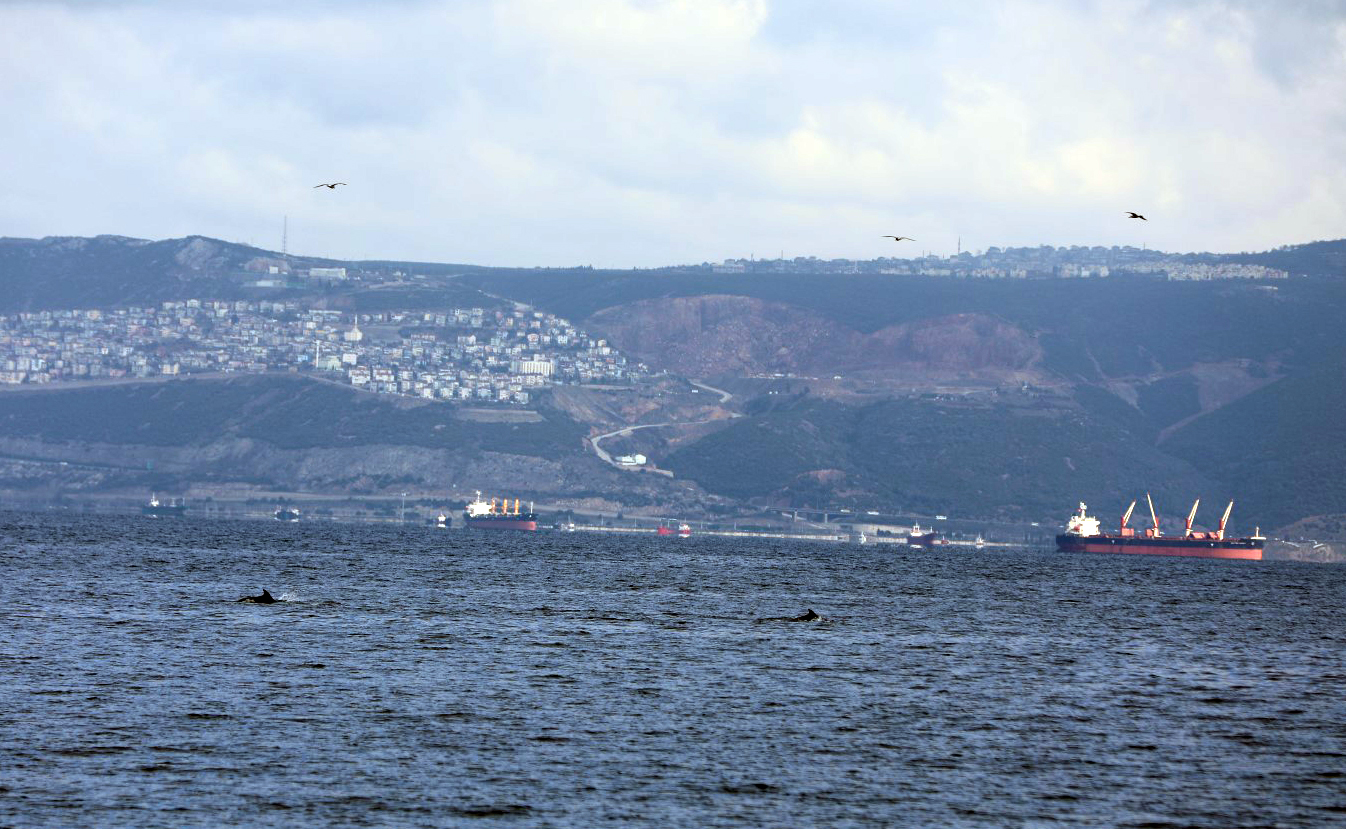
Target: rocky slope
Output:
[(735, 335)]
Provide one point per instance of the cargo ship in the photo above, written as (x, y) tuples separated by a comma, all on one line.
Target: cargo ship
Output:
[(1083, 535), (919, 537), (680, 531), (480, 515), (163, 509)]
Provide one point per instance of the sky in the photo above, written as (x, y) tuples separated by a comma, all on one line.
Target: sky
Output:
[(640, 133)]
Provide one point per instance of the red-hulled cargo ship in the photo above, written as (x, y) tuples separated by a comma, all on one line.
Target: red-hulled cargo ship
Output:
[(683, 530), (481, 515), (1083, 535)]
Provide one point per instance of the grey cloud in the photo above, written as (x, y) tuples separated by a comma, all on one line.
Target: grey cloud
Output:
[(529, 132)]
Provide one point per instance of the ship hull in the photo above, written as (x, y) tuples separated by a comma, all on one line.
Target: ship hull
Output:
[(521, 523), (1240, 548)]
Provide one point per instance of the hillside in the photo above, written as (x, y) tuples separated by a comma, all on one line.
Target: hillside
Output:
[(1009, 397), (1282, 448), (76, 272), (294, 434), (717, 335), (1025, 459)]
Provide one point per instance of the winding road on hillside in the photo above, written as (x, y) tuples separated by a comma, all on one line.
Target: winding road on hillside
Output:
[(626, 430), (725, 396)]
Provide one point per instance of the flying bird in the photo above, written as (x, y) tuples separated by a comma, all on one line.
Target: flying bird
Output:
[(331, 186), (1131, 215), (898, 238)]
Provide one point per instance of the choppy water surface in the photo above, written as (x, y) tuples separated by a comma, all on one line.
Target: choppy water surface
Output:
[(423, 678)]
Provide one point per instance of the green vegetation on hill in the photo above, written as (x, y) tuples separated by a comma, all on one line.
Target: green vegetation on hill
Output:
[(1280, 452), (149, 414), (310, 415), (930, 456), (1168, 400), (113, 270), (287, 413)]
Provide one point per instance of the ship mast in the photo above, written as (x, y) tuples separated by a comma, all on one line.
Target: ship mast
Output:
[(1190, 516), (1224, 519), (1154, 533), (1127, 516)]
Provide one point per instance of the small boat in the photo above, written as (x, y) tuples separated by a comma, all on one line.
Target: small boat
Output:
[(286, 514)]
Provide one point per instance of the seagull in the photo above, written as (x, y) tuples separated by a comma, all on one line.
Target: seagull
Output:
[(898, 238), (1131, 215), (331, 186)]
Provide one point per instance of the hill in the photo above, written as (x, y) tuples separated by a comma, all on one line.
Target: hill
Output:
[(1020, 459), (1010, 397), (294, 434), (1282, 448)]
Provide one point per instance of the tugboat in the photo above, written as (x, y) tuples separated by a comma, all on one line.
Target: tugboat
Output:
[(443, 522), (163, 509), (1083, 535), (480, 515)]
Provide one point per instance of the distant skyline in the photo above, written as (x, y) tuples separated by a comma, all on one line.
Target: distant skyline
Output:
[(625, 133)]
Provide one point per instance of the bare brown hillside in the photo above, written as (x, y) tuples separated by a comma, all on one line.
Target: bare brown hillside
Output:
[(717, 335)]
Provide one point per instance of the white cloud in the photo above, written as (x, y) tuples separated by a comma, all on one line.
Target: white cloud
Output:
[(645, 132)]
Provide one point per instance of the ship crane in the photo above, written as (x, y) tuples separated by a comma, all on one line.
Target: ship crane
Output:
[(1126, 517), (1191, 516), (1153, 532), (1224, 519)]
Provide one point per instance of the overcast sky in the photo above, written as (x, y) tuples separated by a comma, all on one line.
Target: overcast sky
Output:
[(646, 132)]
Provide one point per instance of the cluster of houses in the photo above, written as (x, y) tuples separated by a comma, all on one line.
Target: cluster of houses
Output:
[(1042, 262), (457, 354)]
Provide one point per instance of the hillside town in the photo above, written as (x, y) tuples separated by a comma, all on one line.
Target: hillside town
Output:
[(1042, 262), (458, 354)]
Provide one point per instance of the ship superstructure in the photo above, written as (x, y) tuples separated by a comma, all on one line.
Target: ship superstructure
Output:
[(1084, 534)]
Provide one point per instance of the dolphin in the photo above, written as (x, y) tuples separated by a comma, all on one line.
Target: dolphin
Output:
[(810, 616), (265, 598)]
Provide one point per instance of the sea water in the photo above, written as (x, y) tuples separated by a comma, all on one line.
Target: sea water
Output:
[(421, 677)]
